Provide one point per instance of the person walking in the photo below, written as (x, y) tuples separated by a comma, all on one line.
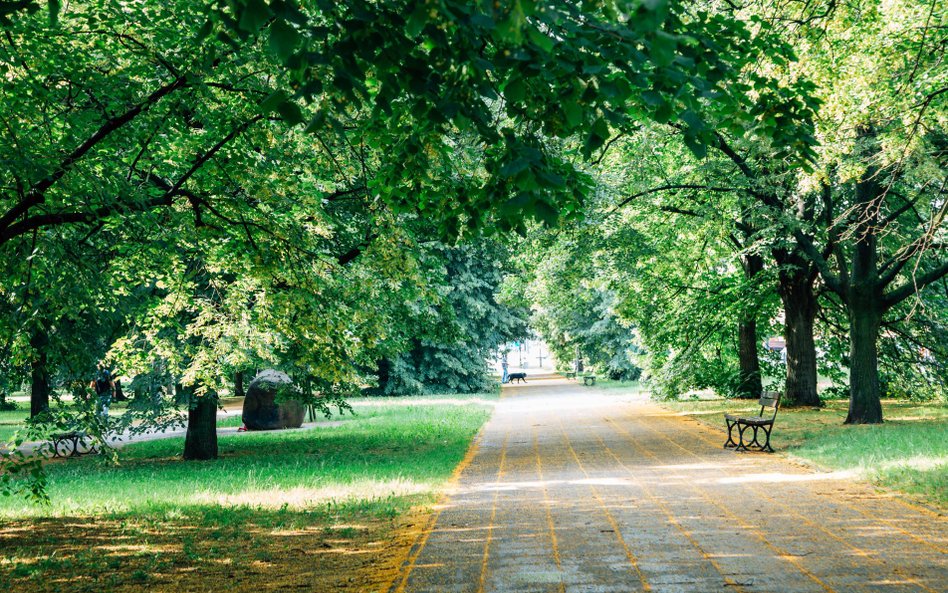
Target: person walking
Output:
[(104, 387), (503, 365)]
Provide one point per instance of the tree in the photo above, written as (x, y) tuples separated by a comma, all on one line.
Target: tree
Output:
[(874, 206), (574, 302), (446, 342)]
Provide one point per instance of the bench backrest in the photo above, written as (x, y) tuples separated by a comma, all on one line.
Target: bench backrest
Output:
[(769, 399)]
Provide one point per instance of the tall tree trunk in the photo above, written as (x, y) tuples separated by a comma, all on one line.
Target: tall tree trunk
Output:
[(795, 285), (865, 406), (39, 391), (239, 384), (200, 442), (750, 386), (799, 308), (864, 298)]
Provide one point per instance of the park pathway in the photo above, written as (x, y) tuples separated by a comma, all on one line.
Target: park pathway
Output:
[(570, 489)]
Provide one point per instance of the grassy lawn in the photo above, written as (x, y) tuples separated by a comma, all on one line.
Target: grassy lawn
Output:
[(909, 452), (11, 420), (278, 509)]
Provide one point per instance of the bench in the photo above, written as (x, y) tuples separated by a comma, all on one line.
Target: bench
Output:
[(570, 374), (769, 400), (589, 379), (72, 444)]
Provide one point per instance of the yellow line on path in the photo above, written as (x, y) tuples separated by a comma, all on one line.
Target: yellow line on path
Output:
[(429, 528), (853, 507), (493, 515), (671, 518), (612, 522), (747, 526), (549, 514), (774, 502)]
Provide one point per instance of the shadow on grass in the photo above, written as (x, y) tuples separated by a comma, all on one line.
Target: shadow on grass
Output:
[(313, 509), (207, 548)]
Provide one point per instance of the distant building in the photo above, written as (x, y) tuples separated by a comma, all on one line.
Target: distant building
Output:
[(777, 344)]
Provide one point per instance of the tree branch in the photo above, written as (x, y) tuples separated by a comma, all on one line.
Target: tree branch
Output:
[(914, 285), (670, 187), (36, 194)]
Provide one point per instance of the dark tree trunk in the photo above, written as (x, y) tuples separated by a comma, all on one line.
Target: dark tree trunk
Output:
[(383, 370), (201, 439), (39, 392), (750, 386), (865, 406), (239, 384), (799, 306), (864, 302)]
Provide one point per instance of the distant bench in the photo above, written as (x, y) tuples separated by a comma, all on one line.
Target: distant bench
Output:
[(72, 444), (589, 379), (570, 374), (770, 400)]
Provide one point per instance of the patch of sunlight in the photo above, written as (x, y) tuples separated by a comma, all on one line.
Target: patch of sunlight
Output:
[(302, 497), (919, 462), (501, 486), (776, 478), (564, 404), (509, 486), (422, 401), (683, 466), (602, 482)]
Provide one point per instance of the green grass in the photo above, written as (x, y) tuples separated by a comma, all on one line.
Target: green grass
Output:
[(272, 500), (393, 449), (909, 452), (11, 421)]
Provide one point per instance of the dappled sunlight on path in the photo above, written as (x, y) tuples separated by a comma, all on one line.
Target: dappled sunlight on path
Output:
[(570, 489)]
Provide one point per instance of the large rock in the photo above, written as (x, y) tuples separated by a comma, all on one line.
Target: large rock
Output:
[(262, 412)]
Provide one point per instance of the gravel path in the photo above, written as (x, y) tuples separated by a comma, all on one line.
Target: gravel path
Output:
[(569, 489)]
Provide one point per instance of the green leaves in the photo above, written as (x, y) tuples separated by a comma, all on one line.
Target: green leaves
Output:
[(662, 48), (279, 102), (515, 90), (283, 40), (254, 14), (417, 20)]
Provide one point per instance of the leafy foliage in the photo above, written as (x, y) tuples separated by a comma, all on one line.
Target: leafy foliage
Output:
[(451, 340)]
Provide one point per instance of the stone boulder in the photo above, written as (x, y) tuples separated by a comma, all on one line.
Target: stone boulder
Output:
[(261, 410)]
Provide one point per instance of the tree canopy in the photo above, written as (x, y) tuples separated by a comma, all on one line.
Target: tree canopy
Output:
[(371, 195)]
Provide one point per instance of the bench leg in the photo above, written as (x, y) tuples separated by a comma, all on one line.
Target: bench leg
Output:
[(741, 446), (730, 433), (767, 446), (84, 448), (745, 445)]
